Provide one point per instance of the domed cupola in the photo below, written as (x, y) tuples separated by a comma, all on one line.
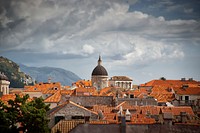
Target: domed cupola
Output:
[(99, 69), (99, 76)]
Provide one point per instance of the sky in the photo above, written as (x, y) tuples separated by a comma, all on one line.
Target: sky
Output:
[(142, 39)]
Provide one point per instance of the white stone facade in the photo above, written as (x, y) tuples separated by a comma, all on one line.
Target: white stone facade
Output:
[(4, 86), (100, 82)]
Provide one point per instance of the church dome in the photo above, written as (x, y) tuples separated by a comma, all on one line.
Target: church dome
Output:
[(99, 69)]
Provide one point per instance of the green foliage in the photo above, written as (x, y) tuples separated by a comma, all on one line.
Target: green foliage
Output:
[(11, 70), (30, 115)]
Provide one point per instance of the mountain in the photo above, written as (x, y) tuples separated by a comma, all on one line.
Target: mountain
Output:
[(42, 74), (12, 70)]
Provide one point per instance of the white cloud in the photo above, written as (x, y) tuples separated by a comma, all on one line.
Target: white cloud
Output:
[(107, 27), (146, 51), (88, 49)]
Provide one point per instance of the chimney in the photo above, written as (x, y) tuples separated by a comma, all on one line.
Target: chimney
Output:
[(190, 79), (128, 115), (182, 79), (123, 125), (183, 117)]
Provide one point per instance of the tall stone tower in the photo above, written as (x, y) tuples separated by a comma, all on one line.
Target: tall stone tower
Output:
[(99, 76), (4, 84)]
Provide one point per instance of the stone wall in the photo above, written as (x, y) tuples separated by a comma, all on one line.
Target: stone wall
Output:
[(137, 101), (156, 128), (70, 110), (89, 101), (89, 128)]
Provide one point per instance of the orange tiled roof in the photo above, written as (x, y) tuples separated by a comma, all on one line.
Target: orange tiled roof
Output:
[(67, 92), (82, 83), (55, 98), (125, 105), (171, 83), (141, 114), (112, 118), (153, 110), (177, 110), (140, 92), (111, 91), (47, 91), (104, 91), (8, 97), (141, 119), (82, 90), (187, 91), (162, 93), (43, 87)]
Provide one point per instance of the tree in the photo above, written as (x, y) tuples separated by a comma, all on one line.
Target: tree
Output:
[(4, 124), (162, 78), (31, 116), (34, 116)]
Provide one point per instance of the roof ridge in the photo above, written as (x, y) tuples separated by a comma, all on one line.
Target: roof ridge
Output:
[(49, 99), (120, 104), (82, 107)]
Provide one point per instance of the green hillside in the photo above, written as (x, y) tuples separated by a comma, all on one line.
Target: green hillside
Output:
[(17, 78)]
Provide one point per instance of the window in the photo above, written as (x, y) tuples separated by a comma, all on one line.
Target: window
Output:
[(187, 98), (77, 117), (58, 118), (131, 96), (181, 97)]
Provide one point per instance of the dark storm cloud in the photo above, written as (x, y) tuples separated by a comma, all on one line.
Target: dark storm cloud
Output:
[(81, 27), (170, 9)]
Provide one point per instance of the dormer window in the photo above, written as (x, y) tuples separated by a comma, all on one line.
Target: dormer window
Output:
[(184, 86), (35, 89)]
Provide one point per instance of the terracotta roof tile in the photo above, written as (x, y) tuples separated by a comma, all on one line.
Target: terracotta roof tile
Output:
[(172, 83), (55, 98), (82, 83), (162, 93), (6, 98), (140, 93), (67, 92), (43, 87), (187, 91)]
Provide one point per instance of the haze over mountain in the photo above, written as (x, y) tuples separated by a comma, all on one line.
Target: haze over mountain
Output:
[(42, 74)]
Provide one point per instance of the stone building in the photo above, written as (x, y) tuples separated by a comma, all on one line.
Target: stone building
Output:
[(121, 81), (99, 76), (4, 84), (70, 111)]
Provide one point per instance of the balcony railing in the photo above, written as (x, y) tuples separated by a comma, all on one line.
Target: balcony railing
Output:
[(186, 102)]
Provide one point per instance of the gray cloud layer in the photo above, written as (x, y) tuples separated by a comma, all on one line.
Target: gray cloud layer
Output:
[(81, 28)]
